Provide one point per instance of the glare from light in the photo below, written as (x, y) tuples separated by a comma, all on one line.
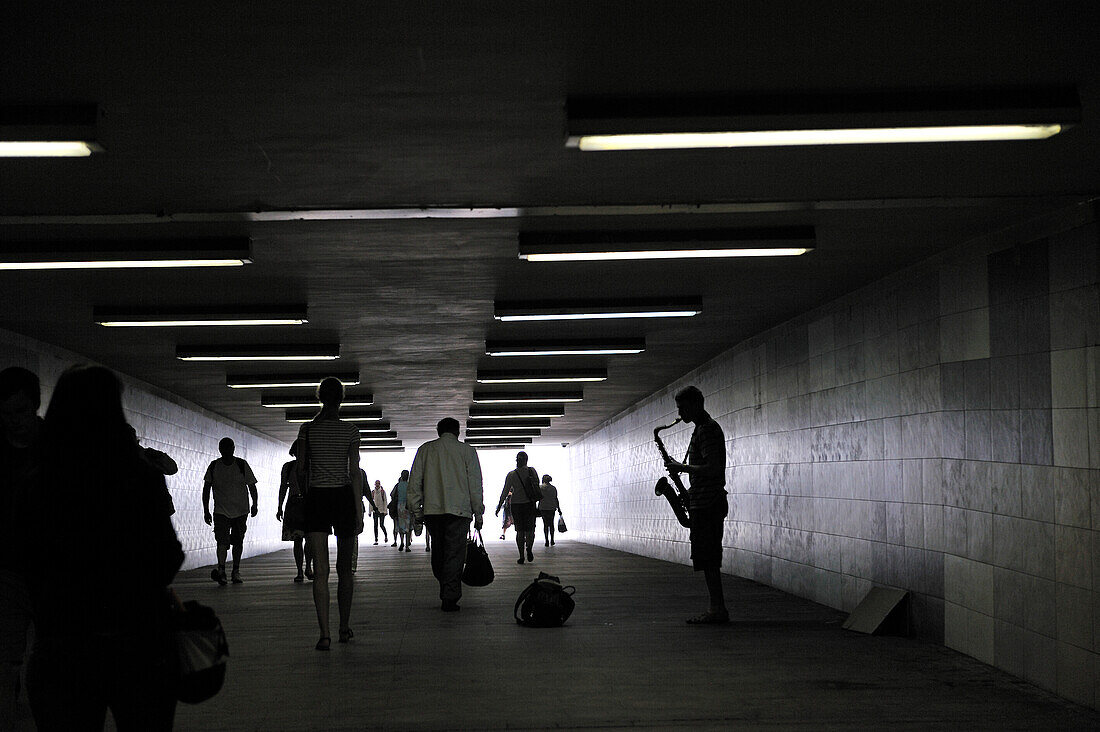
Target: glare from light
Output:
[(568, 352), (301, 404), (376, 439), (285, 384), (303, 420), (596, 256), (599, 316), (125, 264), (520, 399), (483, 431), (537, 379), (784, 138), (382, 448), (187, 323), (532, 415), (310, 357), (41, 149)]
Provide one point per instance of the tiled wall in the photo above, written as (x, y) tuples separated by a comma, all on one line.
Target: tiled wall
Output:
[(189, 434), (938, 431)]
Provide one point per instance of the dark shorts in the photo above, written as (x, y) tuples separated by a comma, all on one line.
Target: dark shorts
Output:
[(523, 514), (230, 530), (331, 511), (547, 517), (707, 525)]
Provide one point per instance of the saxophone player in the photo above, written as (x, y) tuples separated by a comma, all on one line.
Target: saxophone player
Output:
[(707, 502)]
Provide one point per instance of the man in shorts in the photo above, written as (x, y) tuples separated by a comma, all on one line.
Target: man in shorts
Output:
[(707, 502), (232, 482)]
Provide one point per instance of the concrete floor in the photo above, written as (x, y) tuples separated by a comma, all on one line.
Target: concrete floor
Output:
[(626, 658)]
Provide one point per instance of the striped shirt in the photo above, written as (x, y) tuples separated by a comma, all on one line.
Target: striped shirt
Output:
[(707, 447), (329, 441)]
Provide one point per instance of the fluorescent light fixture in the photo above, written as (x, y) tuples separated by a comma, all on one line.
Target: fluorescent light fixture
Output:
[(48, 254), (507, 424), (766, 120), (308, 400), (505, 446), (547, 412), (360, 414), (517, 311), (572, 347), (472, 432), (540, 376), (365, 436), (474, 440), (48, 131), (590, 246), (372, 444), (200, 316), (531, 397), (290, 380), (374, 428), (272, 352), (380, 448)]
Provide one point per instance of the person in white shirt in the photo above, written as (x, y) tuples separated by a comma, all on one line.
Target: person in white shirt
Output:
[(445, 491), (232, 481)]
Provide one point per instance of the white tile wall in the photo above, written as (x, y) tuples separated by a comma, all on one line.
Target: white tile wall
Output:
[(876, 442), (186, 432)]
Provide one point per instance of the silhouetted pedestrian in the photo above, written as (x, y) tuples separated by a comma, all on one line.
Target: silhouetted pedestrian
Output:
[(328, 466), (378, 511), (548, 508), (20, 398), (445, 492), (103, 623), (293, 516), (521, 485), (232, 481)]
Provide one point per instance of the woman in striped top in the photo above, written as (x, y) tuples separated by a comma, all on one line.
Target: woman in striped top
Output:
[(328, 467)]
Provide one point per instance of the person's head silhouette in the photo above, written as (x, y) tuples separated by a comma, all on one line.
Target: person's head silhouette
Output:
[(226, 447)]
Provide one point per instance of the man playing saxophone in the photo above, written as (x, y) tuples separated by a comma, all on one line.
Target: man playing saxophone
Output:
[(707, 503)]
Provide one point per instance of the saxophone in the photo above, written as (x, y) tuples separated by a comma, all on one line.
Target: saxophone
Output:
[(677, 498)]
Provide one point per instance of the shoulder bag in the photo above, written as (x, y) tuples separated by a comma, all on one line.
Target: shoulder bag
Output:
[(533, 493)]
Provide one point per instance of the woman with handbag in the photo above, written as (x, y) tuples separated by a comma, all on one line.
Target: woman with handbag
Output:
[(293, 516), (104, 637), (523, 485), (548, 506)]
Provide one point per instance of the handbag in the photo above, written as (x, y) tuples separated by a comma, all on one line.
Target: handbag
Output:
[(478, 570), (535, 493), (561, 524), (544, 603), (201, 653)]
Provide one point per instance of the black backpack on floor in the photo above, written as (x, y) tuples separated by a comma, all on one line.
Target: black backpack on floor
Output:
[(545, 603)]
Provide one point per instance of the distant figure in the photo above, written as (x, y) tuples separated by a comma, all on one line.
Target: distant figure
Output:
[(507, 516), (294, 515), (445, 491), (232, 481), (20, 398), (164, 465), (378, 511), (707, 502), (520, 485), (548, 507), (103, 635), (391, 507), (328, 465), (401, 523)]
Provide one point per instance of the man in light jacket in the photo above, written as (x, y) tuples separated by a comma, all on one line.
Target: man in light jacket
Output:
[(445, 491)]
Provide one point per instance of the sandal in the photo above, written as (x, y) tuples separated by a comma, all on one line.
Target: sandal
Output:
[(324, 644), (346, 634), (709, 618)]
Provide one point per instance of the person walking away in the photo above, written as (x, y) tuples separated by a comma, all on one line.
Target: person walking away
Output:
[(378, 511), (507, 520), (232, 481), (445, 492), (328, 467), (548, 507), (391, 507), (707, 502), (103, 635), (293, 516), (402, 525), (521, 484), (20, 398)]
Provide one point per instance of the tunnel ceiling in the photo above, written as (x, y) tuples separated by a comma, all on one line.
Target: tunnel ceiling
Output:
[(319, 130)]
